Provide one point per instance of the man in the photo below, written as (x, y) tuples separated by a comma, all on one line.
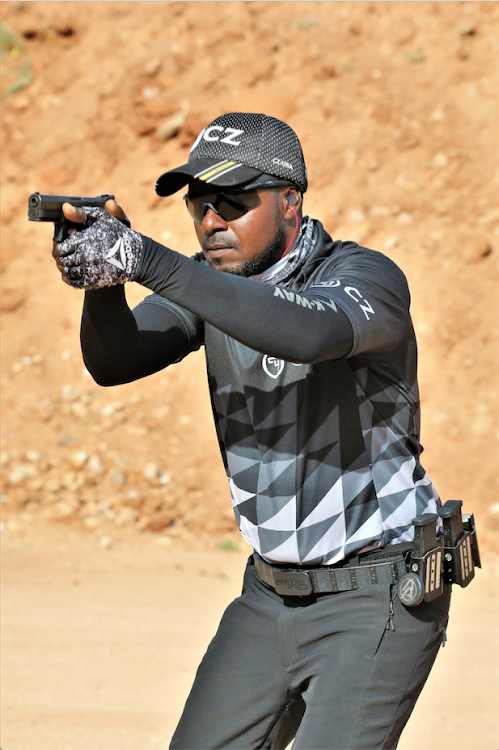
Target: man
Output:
[(311, 360)]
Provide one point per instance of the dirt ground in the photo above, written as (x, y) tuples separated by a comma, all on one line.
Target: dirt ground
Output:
[(396, 107), (100, 646)]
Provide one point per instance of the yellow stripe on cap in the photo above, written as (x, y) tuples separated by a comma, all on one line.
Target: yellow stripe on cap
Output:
[(217, 170)]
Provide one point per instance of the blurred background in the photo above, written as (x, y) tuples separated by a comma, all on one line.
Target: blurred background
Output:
[(396, 107), (395, 104)]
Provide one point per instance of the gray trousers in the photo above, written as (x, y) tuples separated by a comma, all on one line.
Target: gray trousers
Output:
[(336, 671)]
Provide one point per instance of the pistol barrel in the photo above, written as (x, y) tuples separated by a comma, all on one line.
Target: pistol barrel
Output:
[(49, 207)]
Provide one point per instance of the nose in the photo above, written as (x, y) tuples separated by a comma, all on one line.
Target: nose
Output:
[(213, 222)]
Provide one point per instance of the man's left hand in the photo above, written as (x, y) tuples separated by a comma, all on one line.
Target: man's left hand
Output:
[(106, 253)]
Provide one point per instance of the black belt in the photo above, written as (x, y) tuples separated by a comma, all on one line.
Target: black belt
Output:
[(375, 568)]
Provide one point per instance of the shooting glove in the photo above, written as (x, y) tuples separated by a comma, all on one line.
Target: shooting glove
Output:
[(106, 253)]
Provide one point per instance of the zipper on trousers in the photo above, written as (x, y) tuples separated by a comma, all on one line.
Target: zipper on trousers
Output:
[(390, 624), (383, 624)]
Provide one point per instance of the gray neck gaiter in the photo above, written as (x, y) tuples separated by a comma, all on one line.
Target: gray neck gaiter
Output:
[(287, 266)]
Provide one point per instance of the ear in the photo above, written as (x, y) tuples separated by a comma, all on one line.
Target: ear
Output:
[(293, 199)]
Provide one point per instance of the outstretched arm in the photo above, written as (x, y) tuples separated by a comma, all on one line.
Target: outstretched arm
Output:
[(120, 345), (363, 309), (360, 305), (291, 326)]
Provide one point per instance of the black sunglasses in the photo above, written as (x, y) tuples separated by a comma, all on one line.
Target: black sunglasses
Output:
[(228, 206)]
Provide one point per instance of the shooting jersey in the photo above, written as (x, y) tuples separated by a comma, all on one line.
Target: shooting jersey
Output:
[(323, 459)]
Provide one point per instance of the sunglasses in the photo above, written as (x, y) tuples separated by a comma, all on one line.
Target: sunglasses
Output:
[(228, 206)]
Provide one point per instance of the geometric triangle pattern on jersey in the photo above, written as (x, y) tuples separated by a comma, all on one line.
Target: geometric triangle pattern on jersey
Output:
[(426, 501), (238, 495), (397, 534), (398, 475), (248, 509), (366, 532), (398, 506), (281, 439), (360, 511), (238, 463), (320, 495), (404, 505), (270, 473), (323, 549), (270, 507), (330, 505), (248, 478), (249, 531), (314, 478), (381, 437), (307, 536), (284, 519), (281, 409), (222, 400), (271, 540), (279, 547)]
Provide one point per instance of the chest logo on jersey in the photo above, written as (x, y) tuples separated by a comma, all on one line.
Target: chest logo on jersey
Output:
[(272, 366)]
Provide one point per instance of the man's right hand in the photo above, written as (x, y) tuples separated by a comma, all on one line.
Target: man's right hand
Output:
[(77, 215)]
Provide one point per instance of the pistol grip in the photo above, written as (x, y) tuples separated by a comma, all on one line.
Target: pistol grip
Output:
[(59, 232), (61, 229)]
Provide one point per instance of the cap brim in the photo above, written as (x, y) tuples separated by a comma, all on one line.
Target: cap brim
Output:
[(218, 173)]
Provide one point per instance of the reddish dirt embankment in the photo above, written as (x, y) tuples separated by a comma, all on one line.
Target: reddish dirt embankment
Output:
[(396, 106)]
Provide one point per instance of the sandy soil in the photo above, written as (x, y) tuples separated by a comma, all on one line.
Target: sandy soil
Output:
[(100, 646), (396, 107)]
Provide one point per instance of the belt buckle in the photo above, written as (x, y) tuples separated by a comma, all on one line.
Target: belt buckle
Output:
[(292, 582)]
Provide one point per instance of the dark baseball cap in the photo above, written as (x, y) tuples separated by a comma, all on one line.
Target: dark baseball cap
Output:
[(243, 150)]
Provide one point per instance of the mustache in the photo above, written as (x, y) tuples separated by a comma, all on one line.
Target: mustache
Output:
[(207, 243)]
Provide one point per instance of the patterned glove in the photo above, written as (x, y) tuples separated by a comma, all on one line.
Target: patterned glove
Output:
[(107, 253)]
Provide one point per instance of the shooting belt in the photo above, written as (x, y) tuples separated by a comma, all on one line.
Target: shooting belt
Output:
[(355, 575)]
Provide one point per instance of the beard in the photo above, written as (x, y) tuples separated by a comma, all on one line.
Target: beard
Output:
[(260, 262), (266, 258)]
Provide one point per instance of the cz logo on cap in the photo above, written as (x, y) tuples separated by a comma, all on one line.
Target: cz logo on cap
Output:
[(214, 132)]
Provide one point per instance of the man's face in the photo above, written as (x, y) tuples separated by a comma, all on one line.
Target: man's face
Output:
[(247, 245)]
